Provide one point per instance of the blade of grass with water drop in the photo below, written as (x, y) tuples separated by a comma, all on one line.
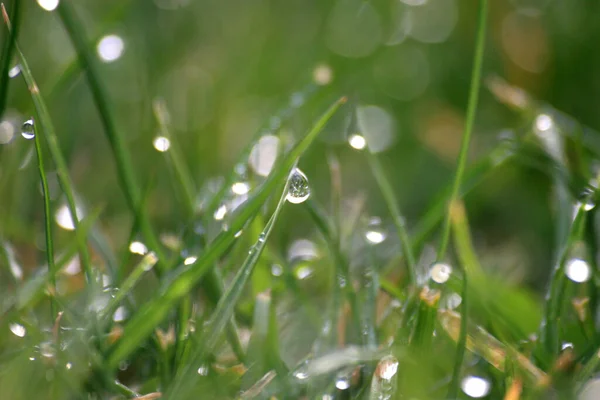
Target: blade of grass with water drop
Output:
[(392, 203), (43, 117), (47, 222), (8, 52), (142, 324), (470, 120), (224, 310), (115, 137)]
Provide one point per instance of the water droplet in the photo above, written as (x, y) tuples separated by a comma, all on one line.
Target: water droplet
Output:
[(342, 381), (120, 314), (453, 300), (375, 233), (190, 260), (27, 131), (14, 71), (357, 141), (48, 5), (68, 365), (440, 272), (301, 374), (31, 358), (240, 188), (47, 350), (304, 272), (161, 143), (239, 233), (137, 247), (578, 270), (110, 48), (387, 368), (475, 386), (263, 155), (203, 370), (383, 385), (17, 329), (543, 123), (322, 74), (220, 212), (302, 249), (276, 270), (298, 190), (586, 199), (63, 217), (566, 345)]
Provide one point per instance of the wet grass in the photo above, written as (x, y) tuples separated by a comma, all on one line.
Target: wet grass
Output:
[(220, 311)]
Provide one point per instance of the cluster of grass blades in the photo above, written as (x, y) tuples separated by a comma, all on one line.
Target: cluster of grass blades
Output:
[(229, 315)]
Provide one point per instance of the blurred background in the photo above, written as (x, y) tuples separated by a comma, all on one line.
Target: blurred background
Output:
[(223, 69)]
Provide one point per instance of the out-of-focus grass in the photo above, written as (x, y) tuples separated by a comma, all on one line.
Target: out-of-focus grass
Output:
[(345, 301)]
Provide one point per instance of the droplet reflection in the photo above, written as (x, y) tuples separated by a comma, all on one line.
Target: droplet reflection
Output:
[(161, 143), (440, 272), (475, 386), (375, 233), (357, 141), (27, 130), (63, 217), (48, 5), (17, 329), (578, 270), (298, 189), (138, 248), (110, 48)]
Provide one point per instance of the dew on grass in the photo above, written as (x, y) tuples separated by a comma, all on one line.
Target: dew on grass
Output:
[(342, 381), (14, 71), (357, 141), (189, 260), (17, 329), (475, 386), (263, 154), (322, 74), (566, 345), (161, 143), (298, 189), (375, 232), (220, 212), (48, 5), (14, 266), (27, 130), (63, 217), (383, 384), (69, 365), (203, 370), (276, 270), (304, 272), (120, 314), (137, 247), (110, 48), (578, 270), (240, 188), (302, 250), (543, 122), (47, 349), (440, 272)]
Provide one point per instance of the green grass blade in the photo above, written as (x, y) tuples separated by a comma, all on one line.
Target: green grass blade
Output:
[(47, 128), (47, 220), (470, 120), (394, 208), (8, 52), (142, 324), (224, 310), (126, 174)]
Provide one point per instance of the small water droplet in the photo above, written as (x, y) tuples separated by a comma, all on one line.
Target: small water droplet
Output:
[(63, 217), (543, 122), (161, 143), (14, 71), (47, 350), (120, 314), (566, 345), (298, 190), (375, 233), (304, 272), (240, 188), (475, 386), (384, 385), (578, 270), (137, 247), (440, 272), (203, 370), (342, 381), (17, 329), (190, 260), (239, 233), (587, 200), (276, 270), (357, 141), (220, 212), (68, 365), (301, 373), (27, 130)]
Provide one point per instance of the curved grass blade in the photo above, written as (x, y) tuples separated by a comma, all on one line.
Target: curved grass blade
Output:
[(142, 324), (47, 221), (8, 52), (224, 310), (470, 120), (115, 137), (45, 121), (392, 204)]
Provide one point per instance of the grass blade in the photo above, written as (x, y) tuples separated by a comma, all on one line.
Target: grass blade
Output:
[(470, 120), (224, 310), (8, 52), (392, 204), (43, 116), (47, 220), (142, 324), (115, 137)]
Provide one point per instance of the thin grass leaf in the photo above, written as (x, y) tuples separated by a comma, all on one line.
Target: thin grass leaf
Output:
[(62, 171), (224, 310), (142, 324), (47, 220), (259, 386), (470, 120), (8, 52), (126, 174), (392, 203)]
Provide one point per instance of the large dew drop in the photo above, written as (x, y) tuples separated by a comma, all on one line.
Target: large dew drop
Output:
[(27, 130), (298, 190), (440, 272), (375, 233)]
